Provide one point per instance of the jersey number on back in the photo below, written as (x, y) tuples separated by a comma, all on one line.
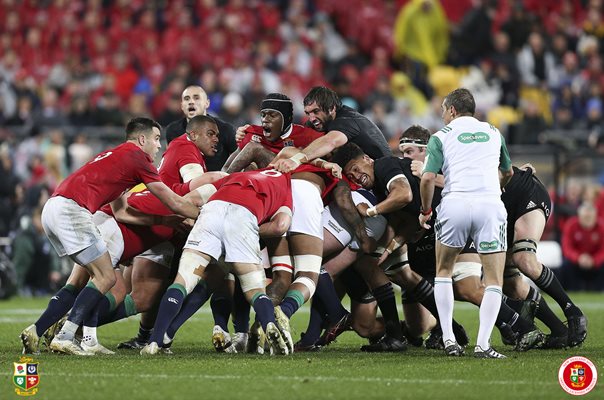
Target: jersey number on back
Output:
[(101, 156)]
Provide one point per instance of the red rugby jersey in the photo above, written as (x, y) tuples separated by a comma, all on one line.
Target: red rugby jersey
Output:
[(180, 152), (262, 192), (107, 176), (299, 136)]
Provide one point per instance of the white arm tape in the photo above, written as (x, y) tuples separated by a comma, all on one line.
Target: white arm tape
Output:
[(206, 191), (190, 172), (307, 263)]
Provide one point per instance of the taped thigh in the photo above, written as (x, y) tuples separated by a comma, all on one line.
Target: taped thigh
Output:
[(252, 280), (189, 269), (307, 263)]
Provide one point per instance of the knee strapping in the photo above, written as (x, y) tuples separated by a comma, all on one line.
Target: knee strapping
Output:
[(309, 283), (394, 263), (524, 245), (189, 267), (308, 263), (282, 263), (252, 280)]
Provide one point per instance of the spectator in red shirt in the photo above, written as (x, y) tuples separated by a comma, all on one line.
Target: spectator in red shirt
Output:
[(583, 252)]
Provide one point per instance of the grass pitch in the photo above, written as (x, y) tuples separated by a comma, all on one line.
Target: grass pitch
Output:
[(340, 371)]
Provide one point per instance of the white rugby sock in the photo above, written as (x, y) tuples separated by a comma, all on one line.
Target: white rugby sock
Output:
[(443, 295), (489, 308)]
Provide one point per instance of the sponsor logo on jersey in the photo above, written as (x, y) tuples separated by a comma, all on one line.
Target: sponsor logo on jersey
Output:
[(471, 137), (530, 205), (256, 138), (288, 143), (26, 377), (494, 245), (577, 375)]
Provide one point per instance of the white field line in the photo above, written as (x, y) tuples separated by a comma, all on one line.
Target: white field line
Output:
[(322, 378)]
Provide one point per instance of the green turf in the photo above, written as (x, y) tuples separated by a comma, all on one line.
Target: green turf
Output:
[(341, 371)]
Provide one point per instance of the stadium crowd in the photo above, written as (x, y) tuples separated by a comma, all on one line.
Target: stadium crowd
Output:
[(108, 63)]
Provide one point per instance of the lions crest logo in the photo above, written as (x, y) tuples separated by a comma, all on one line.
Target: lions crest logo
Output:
[(256, 138), (26, 377)]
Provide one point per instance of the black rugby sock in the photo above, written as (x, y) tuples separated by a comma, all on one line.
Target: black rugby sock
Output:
[(241, 310), (58, 306), (191, 304), (548, 282), (546, 315), (384, 296), (326, 292), (423, 293), (221, 310), (169, 307)]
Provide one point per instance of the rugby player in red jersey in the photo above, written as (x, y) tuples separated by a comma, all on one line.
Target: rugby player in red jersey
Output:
[(68, 222)]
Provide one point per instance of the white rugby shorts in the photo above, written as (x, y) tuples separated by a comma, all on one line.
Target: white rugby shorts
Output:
[(335, 223), (308, 207), (484, 219), (70, 227), (111, 234), (229, 229), (161, 254)]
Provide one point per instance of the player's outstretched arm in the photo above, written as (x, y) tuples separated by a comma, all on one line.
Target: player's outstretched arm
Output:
[(278, 224), (343, 198), (173, 201), (319, 148)]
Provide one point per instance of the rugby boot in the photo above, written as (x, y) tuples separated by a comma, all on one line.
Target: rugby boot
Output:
[(283, 325), (30, 340), (453, 349), (479, 352), (529, 340), (331, 334), (577, 330), (386, 344), (274, 338)]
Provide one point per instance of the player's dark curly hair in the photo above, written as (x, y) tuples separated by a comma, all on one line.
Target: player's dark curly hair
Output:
[(325, 98), (343, 155), (140, 125), (462, 100)]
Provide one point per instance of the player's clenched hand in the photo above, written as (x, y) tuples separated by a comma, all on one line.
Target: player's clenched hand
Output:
[(423, 220), (417, 167), (284, 165), (335, 169), (528, 166), (362, 209), (240, 133)]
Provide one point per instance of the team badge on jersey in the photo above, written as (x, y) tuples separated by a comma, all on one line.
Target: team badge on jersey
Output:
[(577, 375), (256, 138), (288, 143), (26, 377)]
